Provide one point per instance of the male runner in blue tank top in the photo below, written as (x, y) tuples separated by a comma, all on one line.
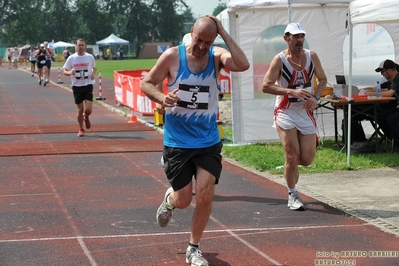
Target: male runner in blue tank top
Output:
[(293, 69), (191, 139)]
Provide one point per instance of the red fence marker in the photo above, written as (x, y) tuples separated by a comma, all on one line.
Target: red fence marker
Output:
[(59, 76), (99, 88)]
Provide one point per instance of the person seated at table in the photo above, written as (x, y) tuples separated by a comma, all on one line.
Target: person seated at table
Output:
[(385, 87), (383, 109), (388, 120)]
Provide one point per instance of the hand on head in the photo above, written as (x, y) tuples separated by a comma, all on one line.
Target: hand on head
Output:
[(219, 25)]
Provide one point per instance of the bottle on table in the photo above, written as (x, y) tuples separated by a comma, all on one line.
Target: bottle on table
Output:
[(378, 90)]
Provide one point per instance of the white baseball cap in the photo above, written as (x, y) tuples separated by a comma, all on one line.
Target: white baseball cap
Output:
[(41, 45), (294, 28)]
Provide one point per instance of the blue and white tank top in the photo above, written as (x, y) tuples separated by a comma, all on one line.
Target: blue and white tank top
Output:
[(192, 122)]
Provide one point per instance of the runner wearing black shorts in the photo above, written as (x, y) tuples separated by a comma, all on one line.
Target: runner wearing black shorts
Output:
[(81, 67), (185, 160), (41, 62), (83, 93)]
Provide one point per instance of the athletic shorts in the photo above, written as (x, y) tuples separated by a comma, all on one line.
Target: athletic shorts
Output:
[(83, 93), (180, 164), (33, 62), (48, 64), (300, 119), (41, 64)]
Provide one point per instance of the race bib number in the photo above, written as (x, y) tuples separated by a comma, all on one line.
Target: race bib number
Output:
[(82, 74), (193, 97), (43, 62)]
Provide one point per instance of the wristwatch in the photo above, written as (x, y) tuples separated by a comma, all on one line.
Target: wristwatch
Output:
[(316, 97)]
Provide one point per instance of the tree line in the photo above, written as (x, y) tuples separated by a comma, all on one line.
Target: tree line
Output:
[(138, 21)]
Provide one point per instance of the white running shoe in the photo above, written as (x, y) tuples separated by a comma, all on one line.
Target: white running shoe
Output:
[(194, 257), (164, 212), (295, 202)]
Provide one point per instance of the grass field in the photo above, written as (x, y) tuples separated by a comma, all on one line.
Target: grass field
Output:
[(329, 158), (107, 67)]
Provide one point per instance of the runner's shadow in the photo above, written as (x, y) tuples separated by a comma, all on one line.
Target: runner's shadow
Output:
[(247, 199), (214, 260), (310, 206), (320, 207)]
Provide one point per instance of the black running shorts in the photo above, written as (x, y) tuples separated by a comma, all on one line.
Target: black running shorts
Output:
[(41, 64), (180, 164), (83, 93)]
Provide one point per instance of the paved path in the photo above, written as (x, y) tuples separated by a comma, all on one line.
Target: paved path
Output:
[(66, 200)]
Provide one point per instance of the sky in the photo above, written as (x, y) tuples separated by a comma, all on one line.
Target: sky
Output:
[(203, 7)]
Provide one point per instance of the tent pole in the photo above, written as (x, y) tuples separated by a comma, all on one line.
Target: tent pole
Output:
[(348, 137)]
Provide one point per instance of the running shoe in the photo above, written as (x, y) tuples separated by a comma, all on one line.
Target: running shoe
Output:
[(40, 82), (81, 132), (87, 121), (295, 202), (164, 212), (194, 257), (45, 83)]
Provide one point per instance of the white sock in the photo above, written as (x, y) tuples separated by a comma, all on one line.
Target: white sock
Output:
[(291, 190)]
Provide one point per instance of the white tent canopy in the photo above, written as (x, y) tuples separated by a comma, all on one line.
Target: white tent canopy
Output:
[(326, 23), (112, 40), (63, 44)]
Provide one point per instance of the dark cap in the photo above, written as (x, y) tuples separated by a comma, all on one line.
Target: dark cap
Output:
[(386, 64)]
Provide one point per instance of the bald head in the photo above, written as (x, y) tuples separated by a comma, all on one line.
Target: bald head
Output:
[(203, 35), (205, 25)]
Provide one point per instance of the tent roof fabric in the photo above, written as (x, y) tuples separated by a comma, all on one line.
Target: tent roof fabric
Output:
[(371, 11), (112, 39), (238, 4), (63, 44)]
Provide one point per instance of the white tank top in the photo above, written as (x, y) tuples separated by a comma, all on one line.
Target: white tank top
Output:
[(291, 78)]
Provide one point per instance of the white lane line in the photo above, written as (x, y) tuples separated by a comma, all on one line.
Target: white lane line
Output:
[(246, 243), (25, 195), (64, 210), (237, 230)]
